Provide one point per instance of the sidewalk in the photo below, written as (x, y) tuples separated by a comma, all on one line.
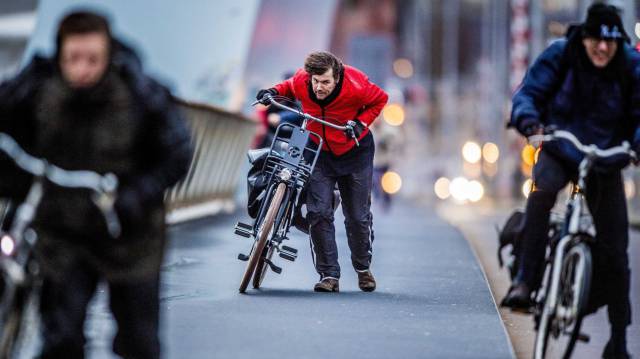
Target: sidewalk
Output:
[(478, 224)]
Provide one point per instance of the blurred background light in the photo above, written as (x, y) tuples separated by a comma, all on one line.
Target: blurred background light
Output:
[(441, 187), (629, 188), (527, 187), (471, 152), (475, 191), (391, 182), (403, 68), (458, 188), (490, 152), (393, 114)]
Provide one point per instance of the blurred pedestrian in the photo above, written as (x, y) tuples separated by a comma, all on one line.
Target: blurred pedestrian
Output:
[(90, 106)]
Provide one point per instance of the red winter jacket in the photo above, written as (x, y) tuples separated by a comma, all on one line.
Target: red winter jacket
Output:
[(354, 97)]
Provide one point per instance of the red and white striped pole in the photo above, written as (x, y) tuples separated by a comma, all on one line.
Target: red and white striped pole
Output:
[(520, 36)]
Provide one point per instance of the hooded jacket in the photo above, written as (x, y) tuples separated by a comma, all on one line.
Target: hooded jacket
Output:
[(127, 124), (594, 104), (355, 97)]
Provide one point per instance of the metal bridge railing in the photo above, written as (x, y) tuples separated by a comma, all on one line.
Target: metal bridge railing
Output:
[(221, 141)]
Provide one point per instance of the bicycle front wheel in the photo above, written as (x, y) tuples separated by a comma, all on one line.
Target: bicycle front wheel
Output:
[(559, 327), (263, 234)]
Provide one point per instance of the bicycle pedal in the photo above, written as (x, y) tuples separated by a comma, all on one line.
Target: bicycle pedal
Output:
[(288, 256), (289, 249), (243, 230), (243, 257), (273, 267), (244, 225)]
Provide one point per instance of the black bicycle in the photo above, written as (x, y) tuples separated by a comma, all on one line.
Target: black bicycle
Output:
[(561, 301), (19, 271), (288, 164)]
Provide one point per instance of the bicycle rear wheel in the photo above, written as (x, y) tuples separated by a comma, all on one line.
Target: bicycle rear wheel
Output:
[(263, 234), (559, 327)]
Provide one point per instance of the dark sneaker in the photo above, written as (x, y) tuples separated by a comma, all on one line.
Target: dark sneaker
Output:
[(366, 282), (518, 298), (327, 284), (611, 352)]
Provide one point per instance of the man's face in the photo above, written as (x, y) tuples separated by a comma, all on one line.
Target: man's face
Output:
[(84, 58), (600, 51), (323, 84)]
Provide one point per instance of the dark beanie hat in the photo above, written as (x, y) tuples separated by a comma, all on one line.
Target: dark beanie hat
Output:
[(603, 22)]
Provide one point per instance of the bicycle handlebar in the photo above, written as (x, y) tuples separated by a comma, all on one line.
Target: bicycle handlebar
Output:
[(589, 150), (103, 186), (348, 129)]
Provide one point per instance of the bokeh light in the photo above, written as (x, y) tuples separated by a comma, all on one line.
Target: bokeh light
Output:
[(629, 188), (458, 188), (471, 152), (441, 187), (528, 155), (391, 182), (403, 68), (393, 114), (527, 187), (475, 191), (490, 152)]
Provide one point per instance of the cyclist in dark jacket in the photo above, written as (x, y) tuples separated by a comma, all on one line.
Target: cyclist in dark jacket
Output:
[(588, 84), (332, 91), (91, 107)]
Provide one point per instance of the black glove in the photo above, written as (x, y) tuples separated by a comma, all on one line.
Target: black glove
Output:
[(263, 92), (357, 128), (129, 208), (529, 126)]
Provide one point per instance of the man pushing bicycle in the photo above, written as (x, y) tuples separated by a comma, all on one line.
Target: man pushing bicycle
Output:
[(331, 90), (587, 84)]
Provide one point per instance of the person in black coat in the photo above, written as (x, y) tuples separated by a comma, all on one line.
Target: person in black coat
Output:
[(92, 107), (588, 84)]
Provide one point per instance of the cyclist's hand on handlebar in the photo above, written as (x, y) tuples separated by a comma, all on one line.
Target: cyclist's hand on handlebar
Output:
[(262, 95), (357, 127), (128, 207)]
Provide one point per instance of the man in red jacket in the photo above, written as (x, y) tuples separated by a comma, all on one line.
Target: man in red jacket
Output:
[(338, 93)]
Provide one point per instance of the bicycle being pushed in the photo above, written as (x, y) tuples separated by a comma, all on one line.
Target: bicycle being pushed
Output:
[(560, 303), (19, 271), (287, 166)]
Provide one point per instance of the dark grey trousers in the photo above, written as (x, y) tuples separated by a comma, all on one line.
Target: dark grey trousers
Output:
[(606, 200), (355, 190)]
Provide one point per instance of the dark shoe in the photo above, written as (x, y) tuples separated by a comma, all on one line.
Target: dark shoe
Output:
[(518, 298), (327, 284), (611, 352), (366, 282)]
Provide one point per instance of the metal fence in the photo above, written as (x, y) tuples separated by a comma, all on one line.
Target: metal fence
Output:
[(221, 140)]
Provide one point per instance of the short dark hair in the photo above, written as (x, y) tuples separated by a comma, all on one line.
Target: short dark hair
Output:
[(319, 62), (81, 22)]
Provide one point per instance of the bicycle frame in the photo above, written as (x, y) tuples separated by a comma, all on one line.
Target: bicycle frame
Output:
[(552, 315), (18, 267)]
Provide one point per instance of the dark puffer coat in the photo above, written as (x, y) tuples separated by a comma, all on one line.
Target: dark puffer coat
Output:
[(600, 107), (128, 124)]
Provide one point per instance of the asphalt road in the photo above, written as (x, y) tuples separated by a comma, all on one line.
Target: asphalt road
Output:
[(432, 299)]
